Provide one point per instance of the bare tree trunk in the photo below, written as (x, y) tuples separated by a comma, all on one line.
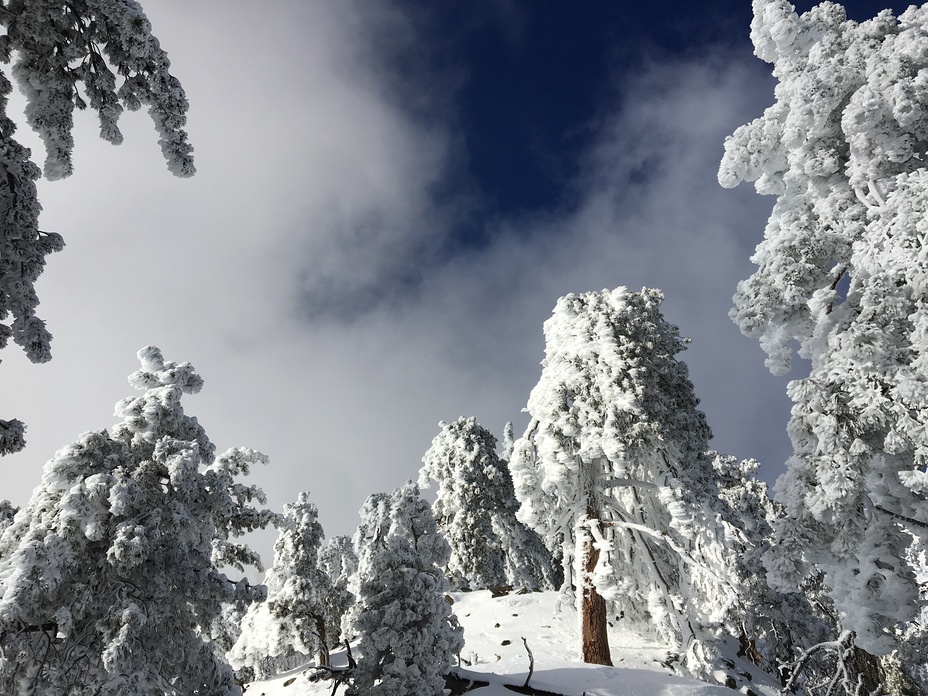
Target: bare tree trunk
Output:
[(593, 624)]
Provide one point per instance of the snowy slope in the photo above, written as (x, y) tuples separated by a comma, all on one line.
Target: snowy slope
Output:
[(494, 652)]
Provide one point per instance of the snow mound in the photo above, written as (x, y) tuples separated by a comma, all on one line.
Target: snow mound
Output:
[(494, 652)]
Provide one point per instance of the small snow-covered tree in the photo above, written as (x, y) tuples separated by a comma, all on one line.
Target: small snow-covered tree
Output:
[(613, 466), (287, 629), (842, 273), (773, 627), (338, 560), (373, 512), (67, 55), (408, 633), (475, 510), (110, 577), (7, 513)]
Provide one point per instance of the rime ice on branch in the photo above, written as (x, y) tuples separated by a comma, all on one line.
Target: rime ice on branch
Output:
[(67, 55), (843, 272)]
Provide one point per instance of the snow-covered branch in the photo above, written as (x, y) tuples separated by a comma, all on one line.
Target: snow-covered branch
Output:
[(920, 526), (627, 483), (12, 436)]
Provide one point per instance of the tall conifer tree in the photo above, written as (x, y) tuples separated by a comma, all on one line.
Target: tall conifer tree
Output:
[(613, 466), (289, 628), (338, 560)]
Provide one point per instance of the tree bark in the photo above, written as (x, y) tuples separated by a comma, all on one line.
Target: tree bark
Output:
[(322, 658), (866, 668), (595, 637)]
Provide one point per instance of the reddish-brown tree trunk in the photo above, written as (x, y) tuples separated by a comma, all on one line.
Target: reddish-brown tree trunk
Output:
[(322, 658), (593, 625)]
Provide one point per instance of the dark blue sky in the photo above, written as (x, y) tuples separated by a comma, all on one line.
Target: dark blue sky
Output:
[(534, 76), (530, 97)]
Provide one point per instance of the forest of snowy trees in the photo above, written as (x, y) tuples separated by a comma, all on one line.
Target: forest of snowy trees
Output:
[(125, 573)]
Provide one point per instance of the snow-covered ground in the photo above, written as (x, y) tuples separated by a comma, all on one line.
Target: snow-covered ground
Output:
[(494, 652)]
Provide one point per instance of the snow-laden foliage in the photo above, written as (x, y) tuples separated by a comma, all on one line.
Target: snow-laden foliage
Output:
[(842, 272), (408, 634), (508, 441), (774, 626), (7, 513), (475, 510), (338, 560), (373, 512), (613, 468), (67, 55), (287, 629), (912, 654), (12, 436), (110, 577), (226, 627)]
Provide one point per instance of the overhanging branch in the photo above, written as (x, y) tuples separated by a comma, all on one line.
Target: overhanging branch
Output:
[(902, 518)]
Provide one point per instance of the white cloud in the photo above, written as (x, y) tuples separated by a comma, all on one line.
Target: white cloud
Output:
[(316, 189)]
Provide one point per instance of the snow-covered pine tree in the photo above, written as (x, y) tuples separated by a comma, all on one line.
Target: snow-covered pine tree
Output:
[(408, 634), (475, 510), (842, 272), (338, 560), (613, 466), (67, 55), (110, 577), (374, 512), (774, 627), (289, 628)]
